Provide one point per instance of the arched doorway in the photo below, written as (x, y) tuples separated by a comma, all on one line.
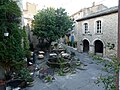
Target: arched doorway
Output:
[(98, 46), (85, 46)]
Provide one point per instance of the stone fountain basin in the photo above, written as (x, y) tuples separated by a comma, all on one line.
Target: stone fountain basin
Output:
[(54, 63)]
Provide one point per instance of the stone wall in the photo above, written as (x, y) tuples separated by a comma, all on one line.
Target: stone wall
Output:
[(108, 35)]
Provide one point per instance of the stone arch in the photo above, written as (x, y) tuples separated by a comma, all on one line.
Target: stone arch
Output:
[(102, 46), (98, 39), (98, 46), (86, 45)]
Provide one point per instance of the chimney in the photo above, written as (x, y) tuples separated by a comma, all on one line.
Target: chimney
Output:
[(93, 4)]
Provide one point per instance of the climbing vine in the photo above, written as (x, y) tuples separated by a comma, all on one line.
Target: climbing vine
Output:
[(110, 46)]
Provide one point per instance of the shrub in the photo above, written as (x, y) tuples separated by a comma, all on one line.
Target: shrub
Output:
[(25, 75)]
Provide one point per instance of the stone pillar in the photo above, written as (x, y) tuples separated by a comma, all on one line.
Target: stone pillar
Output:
[(81, 48), (91, 49), (104, 51)]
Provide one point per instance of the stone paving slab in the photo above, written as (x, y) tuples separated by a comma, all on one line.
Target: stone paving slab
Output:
[(81, 80)]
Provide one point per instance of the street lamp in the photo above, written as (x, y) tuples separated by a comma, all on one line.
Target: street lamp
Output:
[(6, 34)]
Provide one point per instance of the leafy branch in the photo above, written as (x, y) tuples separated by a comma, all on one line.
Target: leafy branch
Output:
[(111, 67)]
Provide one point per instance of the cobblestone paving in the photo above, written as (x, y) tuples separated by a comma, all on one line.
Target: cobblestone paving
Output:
[(81, 80)]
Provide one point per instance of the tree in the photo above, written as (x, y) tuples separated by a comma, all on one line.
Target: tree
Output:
[(25, 42), (50, 24), (11, 50)]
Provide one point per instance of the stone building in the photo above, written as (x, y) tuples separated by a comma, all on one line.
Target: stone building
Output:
[(84, 12), (29, 11), (97, 32)]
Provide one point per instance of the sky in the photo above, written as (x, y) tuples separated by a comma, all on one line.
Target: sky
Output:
[(71, 6)]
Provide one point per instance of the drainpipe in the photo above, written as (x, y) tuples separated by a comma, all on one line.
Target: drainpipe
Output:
[(118, 50)]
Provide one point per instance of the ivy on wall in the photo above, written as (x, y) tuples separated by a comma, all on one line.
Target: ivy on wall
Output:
[(110, 46)]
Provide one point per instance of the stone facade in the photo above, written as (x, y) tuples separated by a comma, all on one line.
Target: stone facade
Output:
[(82, 13), (28, 13), (86, 11), (104, 42)]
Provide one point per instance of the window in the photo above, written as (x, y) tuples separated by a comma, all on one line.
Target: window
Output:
[(98, 26), (85, 27)]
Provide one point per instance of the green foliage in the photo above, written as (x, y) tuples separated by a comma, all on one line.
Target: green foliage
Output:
[(10, 14), (111, 67), (61, 73), (51, 24), (61, 60), (17, 65), (108, 81), (98, 59), (110, 46), (25, 42), (10, 47), (78, 63), (63, 22), (48, 78), (25, 75), (28, 54)]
